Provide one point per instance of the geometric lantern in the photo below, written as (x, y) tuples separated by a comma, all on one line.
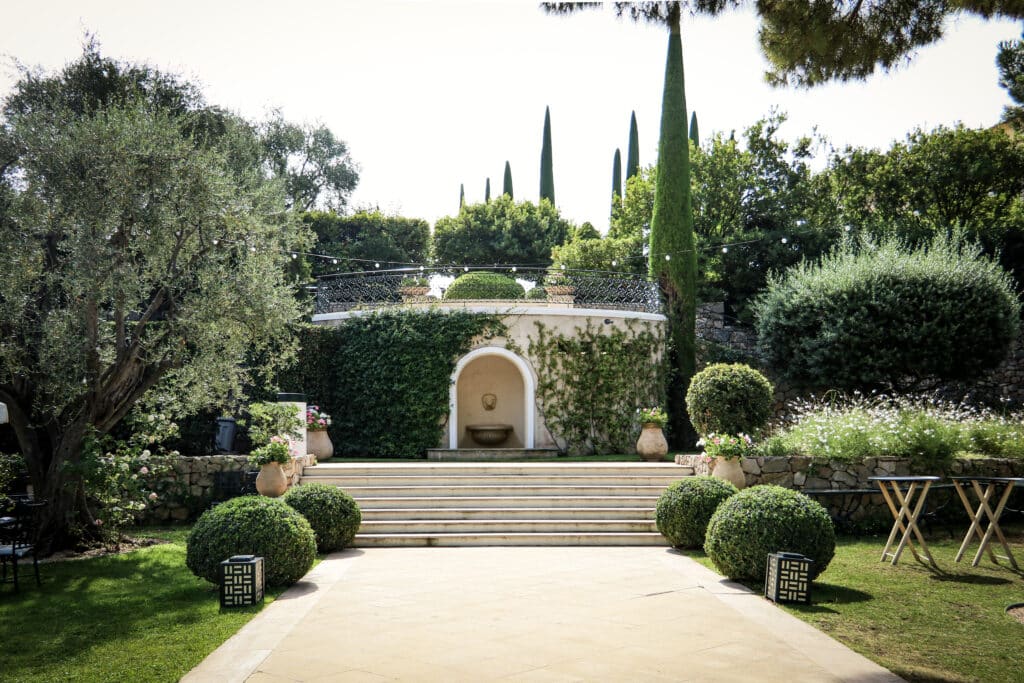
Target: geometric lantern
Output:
[(241, 581), (788, 578)]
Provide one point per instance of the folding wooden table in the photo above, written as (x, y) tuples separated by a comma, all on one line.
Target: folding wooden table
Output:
[(986, 496), (907, 511)]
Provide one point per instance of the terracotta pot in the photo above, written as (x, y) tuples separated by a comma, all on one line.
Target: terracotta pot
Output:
[(271, 481), (319, 444), (651, 445), (730, 471)]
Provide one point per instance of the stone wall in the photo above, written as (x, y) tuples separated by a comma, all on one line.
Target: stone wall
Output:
[(834, 477), (193, 481)]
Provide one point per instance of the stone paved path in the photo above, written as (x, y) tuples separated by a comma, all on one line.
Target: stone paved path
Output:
[(526, 614)]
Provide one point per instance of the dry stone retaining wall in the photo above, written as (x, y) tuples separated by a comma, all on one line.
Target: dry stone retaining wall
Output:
[(192, 488)]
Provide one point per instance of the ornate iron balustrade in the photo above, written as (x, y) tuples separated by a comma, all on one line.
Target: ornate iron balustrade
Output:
[(576, 288)]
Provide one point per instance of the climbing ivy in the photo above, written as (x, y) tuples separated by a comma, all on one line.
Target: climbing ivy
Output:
[(384, 378), (591, 383)]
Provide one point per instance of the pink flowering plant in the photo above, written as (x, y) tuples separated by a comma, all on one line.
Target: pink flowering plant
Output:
[(124, 477), (275, 451), (653, 415), (316, 419), (726, 446)]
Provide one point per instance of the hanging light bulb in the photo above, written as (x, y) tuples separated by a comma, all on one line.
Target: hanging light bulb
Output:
[(513, 269), (376, 265), (725, 250), (614, 263), (216, 242), (668, 257), (334, 261), (252, 249), (294, 256), (785, 240), (465, 269)]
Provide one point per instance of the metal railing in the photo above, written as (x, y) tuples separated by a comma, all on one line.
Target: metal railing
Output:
[(425, 285)]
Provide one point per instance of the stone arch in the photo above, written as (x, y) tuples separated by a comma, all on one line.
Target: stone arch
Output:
[(528, 404)]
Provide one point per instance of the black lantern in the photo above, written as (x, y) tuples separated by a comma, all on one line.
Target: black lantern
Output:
[(788, 578), (241, 581)]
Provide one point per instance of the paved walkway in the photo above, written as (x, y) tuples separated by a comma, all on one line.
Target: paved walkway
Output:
[(526, 614)]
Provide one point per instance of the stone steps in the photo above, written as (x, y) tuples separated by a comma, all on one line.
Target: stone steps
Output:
[(472, 504)]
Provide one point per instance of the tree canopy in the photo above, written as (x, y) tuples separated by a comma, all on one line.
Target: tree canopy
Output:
[(367, 237), (500, 231)]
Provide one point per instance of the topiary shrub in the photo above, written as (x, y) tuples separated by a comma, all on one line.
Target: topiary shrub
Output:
[(537, 293), (761, 520), (484, 286), (729, 399), (252, 525), (332, 513), (686, 506), (884, 316)]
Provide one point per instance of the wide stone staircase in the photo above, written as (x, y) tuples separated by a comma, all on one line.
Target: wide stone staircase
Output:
[(481, 504)]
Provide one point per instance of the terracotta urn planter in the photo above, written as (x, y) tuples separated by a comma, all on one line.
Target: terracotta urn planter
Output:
[(319, 444), (271, 481), (651, 445), (729, 469)]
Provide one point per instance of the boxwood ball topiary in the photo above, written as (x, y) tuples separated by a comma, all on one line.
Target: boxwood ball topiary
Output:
[(332, 513), (484, 286), (762, 520), (686, 506), (729, 398), (252, 525)]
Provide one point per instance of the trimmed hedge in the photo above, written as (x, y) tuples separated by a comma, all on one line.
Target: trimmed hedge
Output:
[(729, 399), (537, 293), (761, 520), (252, 525), (333, 514), (882, 316), (686, 506), (482, 285)]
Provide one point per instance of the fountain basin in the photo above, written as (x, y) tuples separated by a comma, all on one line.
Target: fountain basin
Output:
[(489, 434)]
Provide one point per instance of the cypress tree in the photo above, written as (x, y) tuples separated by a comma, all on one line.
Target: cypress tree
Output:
[(547, 175), (507, 184), (616, 177), (462, 196), (673, 257), (487, 191), (633, 152), (694, 131)]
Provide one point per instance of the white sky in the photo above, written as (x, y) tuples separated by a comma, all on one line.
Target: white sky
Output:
[(429, 95)]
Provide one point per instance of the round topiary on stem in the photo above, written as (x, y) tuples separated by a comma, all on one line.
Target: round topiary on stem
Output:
[(252, 525), (332, 513), (754, 523), (729, 398), (686, 506), (483, 285)]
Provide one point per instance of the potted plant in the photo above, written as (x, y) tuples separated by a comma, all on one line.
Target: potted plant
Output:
[(723, 453), (557, 285), (651, 445), (317, 439), (271, 481), (414, 286)]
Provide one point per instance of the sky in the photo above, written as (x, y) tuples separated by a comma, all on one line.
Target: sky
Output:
[(429, 95)]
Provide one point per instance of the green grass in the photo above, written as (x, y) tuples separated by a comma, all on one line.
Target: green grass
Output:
[(140, 616), (924, 625)]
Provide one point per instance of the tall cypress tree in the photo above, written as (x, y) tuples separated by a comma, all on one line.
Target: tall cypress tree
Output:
[(487, 191), (547, 174), (506, 187), (462, 196), (694, 131), (673, 256), (633, 152), (616, 178)]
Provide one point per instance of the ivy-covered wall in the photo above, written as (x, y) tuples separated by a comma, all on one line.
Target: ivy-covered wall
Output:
[(384, 378)]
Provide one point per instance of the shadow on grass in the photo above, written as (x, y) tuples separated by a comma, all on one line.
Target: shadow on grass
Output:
[(972, 579)]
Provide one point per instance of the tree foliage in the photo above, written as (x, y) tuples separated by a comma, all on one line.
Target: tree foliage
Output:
[(547, 173), (1010, 62), (500, 232), (140, 256), (633, 152), (367, 237), (616, 178), (506, 186)]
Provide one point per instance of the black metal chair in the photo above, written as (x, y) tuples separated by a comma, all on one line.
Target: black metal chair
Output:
[(18, 537)]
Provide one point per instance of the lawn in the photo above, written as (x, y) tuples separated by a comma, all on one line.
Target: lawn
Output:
[(924, 625), (139, 616)]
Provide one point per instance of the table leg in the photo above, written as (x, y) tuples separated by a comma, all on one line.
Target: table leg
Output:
[(975, 516), (994, 525), (897, 525), (912, 523)]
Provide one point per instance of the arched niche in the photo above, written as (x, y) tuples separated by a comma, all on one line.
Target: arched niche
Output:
[(498, 371)]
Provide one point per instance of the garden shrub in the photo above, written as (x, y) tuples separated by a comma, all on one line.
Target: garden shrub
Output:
[(252, 525), (729, 399), (686, 506), (481, 285), (884, 316), (750, 525), (537, 293), (332, 513)]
